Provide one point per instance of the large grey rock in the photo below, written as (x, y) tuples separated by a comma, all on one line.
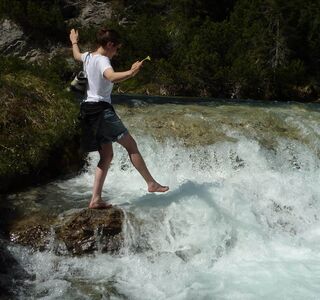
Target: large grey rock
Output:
[(12, 38), (14, 42), (91, 13)]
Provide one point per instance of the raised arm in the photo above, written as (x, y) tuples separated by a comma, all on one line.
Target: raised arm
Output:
[(74, 36), (121, 76)]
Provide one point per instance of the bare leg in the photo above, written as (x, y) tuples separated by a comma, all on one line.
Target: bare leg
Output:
[(130, 144), (106, 155)]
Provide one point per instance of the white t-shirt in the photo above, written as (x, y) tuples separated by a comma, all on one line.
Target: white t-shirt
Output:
[(99, 88)]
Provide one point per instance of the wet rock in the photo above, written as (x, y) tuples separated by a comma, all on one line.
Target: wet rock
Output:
[(92, 230), (187, 254), (196, 125), (105, 289), (33, 231), (75, 232), (36, 236)]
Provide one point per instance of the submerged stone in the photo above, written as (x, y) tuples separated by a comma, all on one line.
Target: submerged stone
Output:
[(201, 125), (76, 232)]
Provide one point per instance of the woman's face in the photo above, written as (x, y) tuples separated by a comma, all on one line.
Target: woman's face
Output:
[(114, 50)]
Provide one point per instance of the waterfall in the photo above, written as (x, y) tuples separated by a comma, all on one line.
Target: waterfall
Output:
[(241, 219)]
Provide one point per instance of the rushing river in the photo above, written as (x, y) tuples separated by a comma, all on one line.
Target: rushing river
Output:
[(241, 219)]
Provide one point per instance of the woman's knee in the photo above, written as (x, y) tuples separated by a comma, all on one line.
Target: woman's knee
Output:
[(132, 148), (106, 154), (105, 160), (129, 143)]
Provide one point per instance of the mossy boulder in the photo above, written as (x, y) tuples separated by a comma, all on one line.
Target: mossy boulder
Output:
[(92, 230), (74, 232), (39, 136)]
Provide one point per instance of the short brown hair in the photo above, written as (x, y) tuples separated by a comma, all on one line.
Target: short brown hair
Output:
[(104, 36)]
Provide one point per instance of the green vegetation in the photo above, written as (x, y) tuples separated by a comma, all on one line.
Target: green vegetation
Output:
[(246, 49), (235, 48), (38, 124)]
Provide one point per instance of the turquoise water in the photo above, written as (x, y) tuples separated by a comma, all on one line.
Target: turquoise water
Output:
[(241, 219)]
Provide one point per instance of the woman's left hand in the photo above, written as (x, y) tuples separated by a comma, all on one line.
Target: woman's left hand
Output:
[(135, 68), (136, 65)]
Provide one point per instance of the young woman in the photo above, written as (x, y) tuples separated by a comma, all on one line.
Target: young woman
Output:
[(102, 126)]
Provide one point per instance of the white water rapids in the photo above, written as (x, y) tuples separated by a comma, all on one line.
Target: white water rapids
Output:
[(241, 219)]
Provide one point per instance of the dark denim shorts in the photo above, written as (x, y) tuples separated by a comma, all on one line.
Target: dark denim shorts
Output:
[(100, 125)]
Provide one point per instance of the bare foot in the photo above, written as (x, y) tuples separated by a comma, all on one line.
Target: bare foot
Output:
[(155, 187), (99, 204)]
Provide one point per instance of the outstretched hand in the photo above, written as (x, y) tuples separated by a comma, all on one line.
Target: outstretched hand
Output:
[(135, 68), (74, 36)]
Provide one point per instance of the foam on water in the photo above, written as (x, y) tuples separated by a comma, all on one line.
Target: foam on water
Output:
[(240, 222)]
